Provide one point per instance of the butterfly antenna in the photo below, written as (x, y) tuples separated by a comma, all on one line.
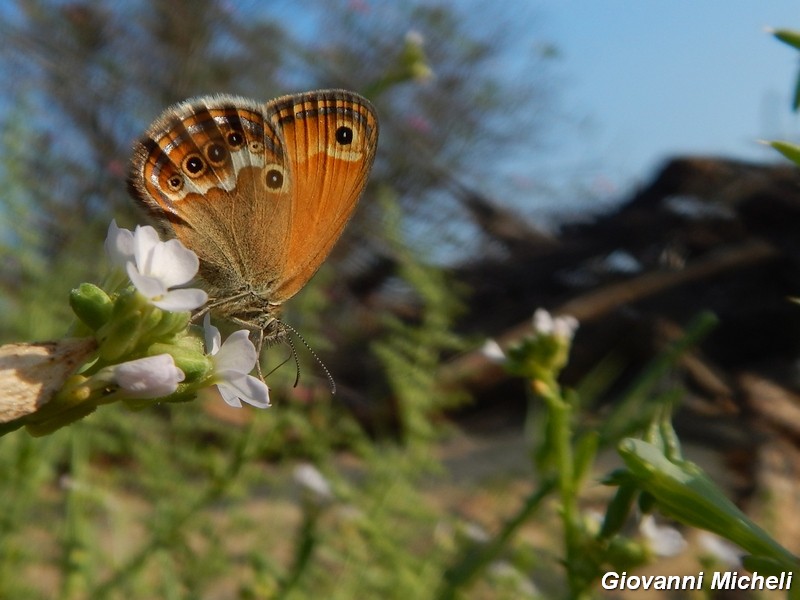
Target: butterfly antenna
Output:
[(331, 381), (296, 361), (278, 366)]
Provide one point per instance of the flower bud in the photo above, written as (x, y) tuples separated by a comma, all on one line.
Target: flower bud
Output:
[(91, 305)]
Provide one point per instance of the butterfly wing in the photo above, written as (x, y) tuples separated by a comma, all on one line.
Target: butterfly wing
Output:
[(260, 193), (329, 139), (213, 173)]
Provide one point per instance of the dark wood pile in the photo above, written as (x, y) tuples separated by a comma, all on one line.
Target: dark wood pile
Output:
[(706, 234)]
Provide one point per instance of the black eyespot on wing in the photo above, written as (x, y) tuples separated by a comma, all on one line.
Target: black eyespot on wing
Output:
[(274, 179), (175, 183), (194, 164), (344, 135), (235, 139), (216, 153)]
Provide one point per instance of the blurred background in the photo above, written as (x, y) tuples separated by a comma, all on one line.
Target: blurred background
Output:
[(599, 159)]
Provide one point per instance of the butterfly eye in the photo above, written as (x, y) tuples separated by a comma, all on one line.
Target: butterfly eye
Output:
[(274, 179), (194, 165), (344, 135), (235, 139), (216, 153)]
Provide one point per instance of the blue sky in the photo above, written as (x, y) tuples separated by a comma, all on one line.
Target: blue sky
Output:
[(653, 78)]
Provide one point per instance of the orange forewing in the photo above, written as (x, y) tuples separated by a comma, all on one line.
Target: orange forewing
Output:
[(327, 176)]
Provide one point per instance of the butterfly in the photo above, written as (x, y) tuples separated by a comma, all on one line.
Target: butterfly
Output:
[(260, 192)]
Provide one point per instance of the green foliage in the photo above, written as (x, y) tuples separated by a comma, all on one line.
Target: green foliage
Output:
[(147, 515), (37, 264), (656, 475), (410, 353)]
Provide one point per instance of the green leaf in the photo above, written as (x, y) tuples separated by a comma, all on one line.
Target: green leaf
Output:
[(765, 566), (788, 36), (682, 491), (618, 510), (585, 453), (789, 150)]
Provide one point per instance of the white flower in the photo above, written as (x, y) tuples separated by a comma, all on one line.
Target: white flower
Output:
[(492, 351), (149, 377), (663, 539), (309, 477), (233, 362), (119, 244), (563, 326), (724, 551), (155, 266)]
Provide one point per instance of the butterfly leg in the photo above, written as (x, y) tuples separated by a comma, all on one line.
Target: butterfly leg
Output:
[(259, 344), (200, 313)]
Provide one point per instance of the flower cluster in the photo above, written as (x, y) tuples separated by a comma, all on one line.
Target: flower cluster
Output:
[(157, 270), (146, 349), (541, 354)]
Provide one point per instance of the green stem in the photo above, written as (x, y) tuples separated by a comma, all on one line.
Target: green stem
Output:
[(304, 550), (561, 423), (475, 559), (74, 557)]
